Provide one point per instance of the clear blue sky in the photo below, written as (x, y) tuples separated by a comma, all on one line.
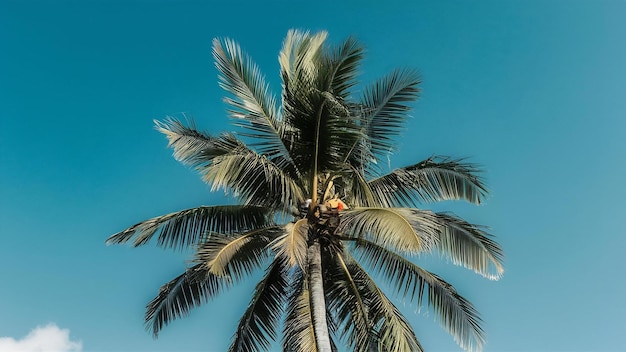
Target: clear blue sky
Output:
[(534, 90)]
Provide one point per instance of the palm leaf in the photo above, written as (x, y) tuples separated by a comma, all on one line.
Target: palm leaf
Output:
[(434, 179), (227, 163), (321, 129), (385, 108), (236, 256), (390, 329), (299, 53), (345, 304), (192, 147), (292, 245), (187, 227), (254, 179), (177, 297), (405, 230), (358, 191), (298, 333), (457, 315), (470, 246), (253, 106), (343, 61), (259, 323)]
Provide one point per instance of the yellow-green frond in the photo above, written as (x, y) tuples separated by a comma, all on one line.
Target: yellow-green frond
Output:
[(405, 230), (292, 245)]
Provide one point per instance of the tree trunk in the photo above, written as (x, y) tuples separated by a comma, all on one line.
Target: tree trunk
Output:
[(318, 303)]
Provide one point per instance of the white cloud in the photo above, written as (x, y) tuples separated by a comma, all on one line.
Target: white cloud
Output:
[(49, 338)]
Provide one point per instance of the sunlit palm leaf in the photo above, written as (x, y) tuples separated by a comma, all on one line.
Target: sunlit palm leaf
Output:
[(432, 180), (187, 227), (236, 256), (386, 106), (343, 63), (298, 333), (457, 315), (254, 179), (259, 323), (253, 105), (391, 331), (292, 245), (403, 229), (470, 246), (299, 53), (192, 147), (345, 303), (227, 163), (177, 297)]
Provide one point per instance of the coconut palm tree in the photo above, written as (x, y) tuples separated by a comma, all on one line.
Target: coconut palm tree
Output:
[(317, 210)]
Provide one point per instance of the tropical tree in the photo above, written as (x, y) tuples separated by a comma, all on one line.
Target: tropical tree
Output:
[(317, 210)]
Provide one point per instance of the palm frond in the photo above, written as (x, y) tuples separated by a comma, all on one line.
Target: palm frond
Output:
[(227, 163), (253, 106), (385, 108), (470, 246), (254, 179), (187, 227), (343, 62), (177, 297), (403, 229), (390, 329), (457, 315), (345, 304), (319, 119), (236, 256), (299, 53), (432, 180), (260, 321), (193, 147), (292, 245), (358, 191), (298, 332)]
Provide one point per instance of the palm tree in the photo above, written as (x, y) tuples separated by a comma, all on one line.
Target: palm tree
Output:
[(320, 148)]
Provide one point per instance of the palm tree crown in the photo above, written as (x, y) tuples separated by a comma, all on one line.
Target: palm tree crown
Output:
[(317, 210)]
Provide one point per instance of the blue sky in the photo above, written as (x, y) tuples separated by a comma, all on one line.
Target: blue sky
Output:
[(532, 90)]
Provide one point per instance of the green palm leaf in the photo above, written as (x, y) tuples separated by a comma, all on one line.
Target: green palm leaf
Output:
[(298, 56), (177, 297), (253, 106), (298, 333), (187, 227), (227, 163), (254, 179), (236, 256), (192, 147), (292, 245), (390, 329), (343, 63), (345, 304), (318, 116), (432, 180), (357, 189), (403, 229), (260, 321), (385, 108), (457, 315), (470, 246)]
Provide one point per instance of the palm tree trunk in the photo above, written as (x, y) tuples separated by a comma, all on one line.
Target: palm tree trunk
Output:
[(318, 303)]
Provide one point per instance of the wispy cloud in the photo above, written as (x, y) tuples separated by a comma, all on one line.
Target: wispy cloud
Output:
[(49, 338)]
